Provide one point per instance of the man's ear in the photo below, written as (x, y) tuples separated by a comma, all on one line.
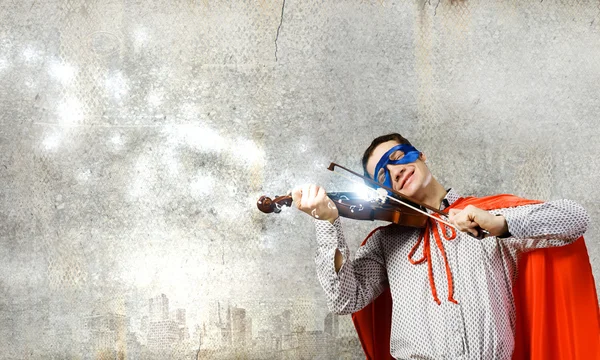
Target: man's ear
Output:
[(422, 157)]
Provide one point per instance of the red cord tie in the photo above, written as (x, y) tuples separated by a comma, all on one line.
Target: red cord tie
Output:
[(432, 225)]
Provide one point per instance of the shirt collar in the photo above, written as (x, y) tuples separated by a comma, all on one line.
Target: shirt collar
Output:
[(449, 199)]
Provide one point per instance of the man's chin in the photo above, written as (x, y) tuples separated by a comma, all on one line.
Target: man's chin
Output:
[(409, 192), (406, 193)]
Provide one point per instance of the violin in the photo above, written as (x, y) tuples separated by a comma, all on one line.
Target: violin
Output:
[(401, 210), (351, 205)]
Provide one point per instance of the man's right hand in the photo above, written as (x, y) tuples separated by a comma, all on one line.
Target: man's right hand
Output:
[(313, 200)]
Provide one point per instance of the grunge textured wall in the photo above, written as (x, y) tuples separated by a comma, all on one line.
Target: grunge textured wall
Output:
[(136, 137)]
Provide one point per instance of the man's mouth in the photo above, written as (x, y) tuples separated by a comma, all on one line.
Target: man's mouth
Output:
[(406, 178)]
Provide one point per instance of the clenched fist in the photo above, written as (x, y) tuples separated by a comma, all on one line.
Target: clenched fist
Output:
[(313, 200), (470, 218)]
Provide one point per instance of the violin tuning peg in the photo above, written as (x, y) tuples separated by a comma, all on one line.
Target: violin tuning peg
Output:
[(381, 195)]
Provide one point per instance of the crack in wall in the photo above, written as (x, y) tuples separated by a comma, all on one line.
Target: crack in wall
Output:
[(279, 28)]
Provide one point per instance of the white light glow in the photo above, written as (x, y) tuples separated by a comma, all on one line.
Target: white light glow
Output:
[(165, 273), (31, 55), (140, 37), (144, 174), (249, 151), (198, 137), (64, 73), (144, 271), (189, 111), (170, 161), (138, 188), (319, 164), (202, 185), (51, 142), (70, 112), (230, 212), (30, 83), (154, 98), (117, 85), (117, 141), (3, 64), (363, 191), (83, 175), (205, 139)]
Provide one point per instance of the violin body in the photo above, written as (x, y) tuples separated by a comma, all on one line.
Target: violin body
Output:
[(403, 210), (351, 205)]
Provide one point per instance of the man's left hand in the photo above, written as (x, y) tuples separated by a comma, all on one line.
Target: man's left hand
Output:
[(471, 218)]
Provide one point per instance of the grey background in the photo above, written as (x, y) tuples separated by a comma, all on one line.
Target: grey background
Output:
[(136, 137)]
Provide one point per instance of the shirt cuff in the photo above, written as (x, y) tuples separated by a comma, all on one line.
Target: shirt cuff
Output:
[(516, 228), (328, 233), (330, 239)]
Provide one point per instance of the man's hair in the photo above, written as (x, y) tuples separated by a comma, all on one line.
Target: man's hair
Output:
[(380, 140)]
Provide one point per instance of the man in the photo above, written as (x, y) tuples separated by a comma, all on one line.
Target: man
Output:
[(452, 296)]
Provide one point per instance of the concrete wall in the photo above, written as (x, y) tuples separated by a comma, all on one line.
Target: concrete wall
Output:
[(136, 137)]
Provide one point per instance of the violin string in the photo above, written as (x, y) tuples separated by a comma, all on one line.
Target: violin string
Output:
[(399, 201), (421, 211)]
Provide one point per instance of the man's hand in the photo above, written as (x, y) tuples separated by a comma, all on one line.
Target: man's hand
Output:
[(470, 218), (313, 200)]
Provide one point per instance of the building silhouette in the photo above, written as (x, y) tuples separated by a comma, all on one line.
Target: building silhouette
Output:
[(332, 325), (163, 329), (239, 326), (108, 331), (230, 328), (158, 308)]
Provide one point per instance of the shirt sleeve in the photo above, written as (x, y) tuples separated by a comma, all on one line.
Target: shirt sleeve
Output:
[(358, 281), (550, 224)]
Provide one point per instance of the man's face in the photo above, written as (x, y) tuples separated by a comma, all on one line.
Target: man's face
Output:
[(407, 179)]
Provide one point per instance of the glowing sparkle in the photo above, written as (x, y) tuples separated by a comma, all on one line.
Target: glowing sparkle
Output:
[(84, 175), (189, 111), (164, 272), (155, 98), (170, 161), (202, 186), (3, 64), (116, 85), (249, 151), (144, 271), (195, 136), (117, 141), (140, 37), (51, 142), (30, 83), (363, 191), (31, 55), (70, 112), (64, 73)]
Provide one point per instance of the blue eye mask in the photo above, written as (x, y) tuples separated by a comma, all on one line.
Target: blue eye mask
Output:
[(410, 155)]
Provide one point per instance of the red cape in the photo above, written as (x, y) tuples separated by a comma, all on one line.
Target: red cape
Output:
[(555, 298)]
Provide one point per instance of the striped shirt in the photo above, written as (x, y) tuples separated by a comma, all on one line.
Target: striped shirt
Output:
[(482, 324)]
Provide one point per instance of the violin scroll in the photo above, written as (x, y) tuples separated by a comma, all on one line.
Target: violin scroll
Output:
[(268, 205)]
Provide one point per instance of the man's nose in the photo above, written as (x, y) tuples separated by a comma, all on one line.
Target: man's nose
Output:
[(395, 172)]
